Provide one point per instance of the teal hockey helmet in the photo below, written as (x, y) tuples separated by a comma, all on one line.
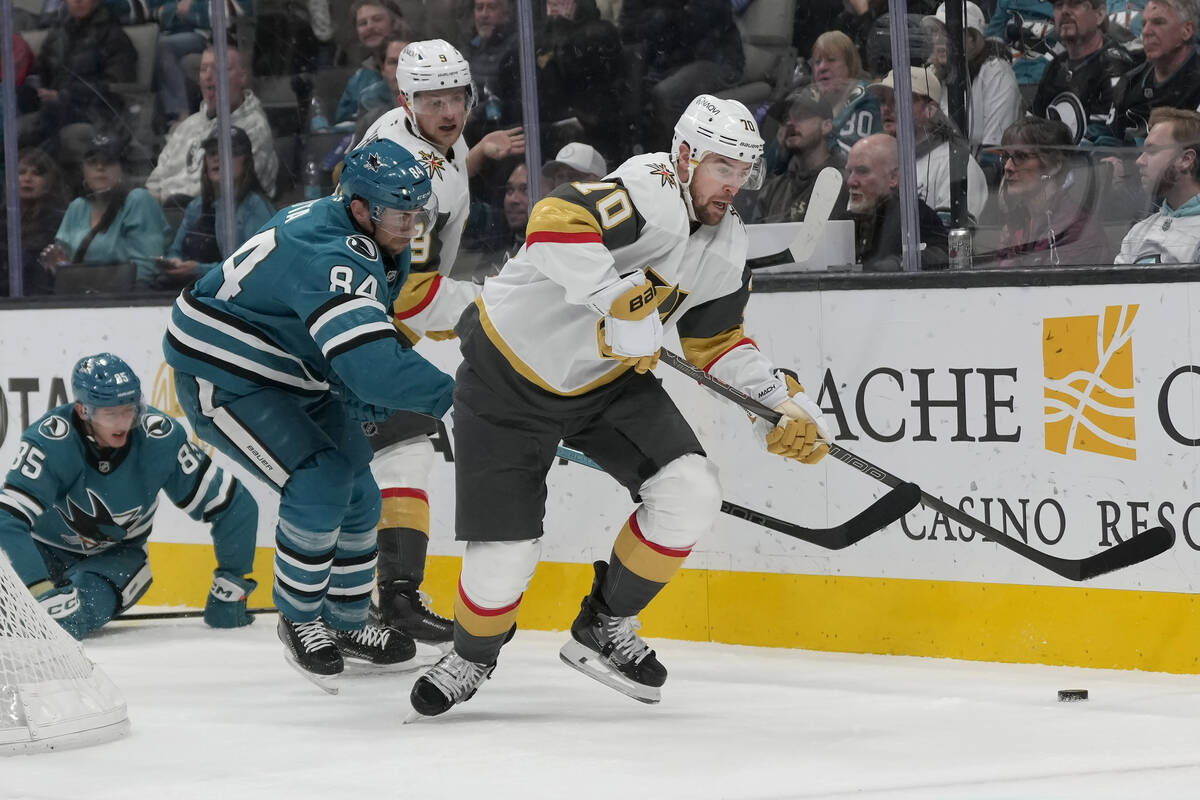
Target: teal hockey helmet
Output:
[(105, 381), (393, 184)]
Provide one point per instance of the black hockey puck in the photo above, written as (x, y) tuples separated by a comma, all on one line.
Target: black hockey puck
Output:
[(1072, 695)]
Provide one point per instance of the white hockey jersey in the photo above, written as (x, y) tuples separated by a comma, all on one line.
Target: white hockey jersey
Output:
[(1168, 237), (430, 302), (583, 237)]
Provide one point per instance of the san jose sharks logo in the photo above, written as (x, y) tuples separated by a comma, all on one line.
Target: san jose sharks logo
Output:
[(98, 526), (54, 427), (434, 163), (665, 173), (157, 426)]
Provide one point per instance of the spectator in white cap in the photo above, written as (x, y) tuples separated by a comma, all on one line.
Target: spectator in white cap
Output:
[(994, 97), (933, 134), (576, 161)]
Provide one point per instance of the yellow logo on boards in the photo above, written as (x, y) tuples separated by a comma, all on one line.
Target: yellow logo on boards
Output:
[(1088, 363), (162, 397)]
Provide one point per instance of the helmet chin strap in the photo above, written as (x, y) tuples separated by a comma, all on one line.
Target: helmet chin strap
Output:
[(685, 188)]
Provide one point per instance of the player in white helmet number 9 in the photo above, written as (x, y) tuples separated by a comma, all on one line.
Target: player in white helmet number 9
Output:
[(724, 154), (425, 70)]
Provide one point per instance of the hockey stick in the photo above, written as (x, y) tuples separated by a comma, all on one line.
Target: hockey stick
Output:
[(188, 614), (821, 202), (1123, 554), (877, 516)]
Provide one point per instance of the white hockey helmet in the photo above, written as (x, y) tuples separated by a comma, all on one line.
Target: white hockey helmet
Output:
[(431, 65), (725, 127)]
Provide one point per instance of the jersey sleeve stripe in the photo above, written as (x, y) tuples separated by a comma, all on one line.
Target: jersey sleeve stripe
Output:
[(238, 365), (220, 495), (553, 237), (203, 481), (348, 306), (222, 501), (706, 352), (417, 294), (358, 335), (555, 216), (24, 499), (18, 511), (230, 326)]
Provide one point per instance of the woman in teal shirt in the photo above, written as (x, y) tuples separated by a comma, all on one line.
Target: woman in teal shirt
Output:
[(111, 222), (202, 242)]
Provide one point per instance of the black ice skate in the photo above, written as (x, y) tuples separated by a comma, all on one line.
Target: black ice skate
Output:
[(310, 649), (607, 648), (402, 607), (376, 644), (451, 681)]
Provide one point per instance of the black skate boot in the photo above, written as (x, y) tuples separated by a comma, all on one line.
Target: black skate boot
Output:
[(608, 648), (376, 644), (451, 681), (311, 651), (401, 607)]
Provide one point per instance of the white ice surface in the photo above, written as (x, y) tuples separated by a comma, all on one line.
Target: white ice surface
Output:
[(219, 715)]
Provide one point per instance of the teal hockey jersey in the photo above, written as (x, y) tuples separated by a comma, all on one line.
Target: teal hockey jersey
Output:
[(68, 495), (303, 305)]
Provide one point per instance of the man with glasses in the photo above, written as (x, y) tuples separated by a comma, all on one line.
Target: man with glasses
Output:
[(560, 347), (281, 357), (1088, 65), (1170, 171), (435, 93), (81, 495)]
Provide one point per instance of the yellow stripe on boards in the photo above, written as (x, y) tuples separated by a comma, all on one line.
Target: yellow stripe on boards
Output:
[(1077, 626)]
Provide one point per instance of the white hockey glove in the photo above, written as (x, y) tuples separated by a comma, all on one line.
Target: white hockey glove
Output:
[(631, 331), (801, 432)]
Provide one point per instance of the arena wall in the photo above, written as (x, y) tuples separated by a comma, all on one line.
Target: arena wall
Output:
[(1065, 415)]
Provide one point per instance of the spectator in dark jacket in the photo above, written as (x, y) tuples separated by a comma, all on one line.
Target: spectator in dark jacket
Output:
[(80, 61), (494, 40), (43, 202), (689, 47), (804, 136), (873, 178), (580, 74)]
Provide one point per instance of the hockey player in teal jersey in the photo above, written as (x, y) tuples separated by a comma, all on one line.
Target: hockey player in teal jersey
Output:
[(77, 507), (282, 355)]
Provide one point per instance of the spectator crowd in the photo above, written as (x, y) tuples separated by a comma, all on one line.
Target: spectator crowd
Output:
[(1079, 141)]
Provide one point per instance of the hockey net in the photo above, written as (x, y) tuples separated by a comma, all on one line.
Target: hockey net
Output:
[(51, 696)]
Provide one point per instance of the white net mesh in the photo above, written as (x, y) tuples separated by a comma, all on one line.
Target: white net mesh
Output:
[(51, 695)]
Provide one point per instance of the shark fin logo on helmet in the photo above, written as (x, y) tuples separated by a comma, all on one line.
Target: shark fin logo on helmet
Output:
[(54, 427)]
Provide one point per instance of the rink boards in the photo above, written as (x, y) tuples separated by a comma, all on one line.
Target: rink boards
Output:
[(1065, 416)]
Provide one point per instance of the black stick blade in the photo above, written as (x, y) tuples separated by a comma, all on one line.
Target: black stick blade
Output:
[(1129, 552), (883, 512)]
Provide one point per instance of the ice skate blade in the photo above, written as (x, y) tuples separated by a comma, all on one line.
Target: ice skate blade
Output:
[(366, 667), (413, 716), (592, 664), (325, 682)]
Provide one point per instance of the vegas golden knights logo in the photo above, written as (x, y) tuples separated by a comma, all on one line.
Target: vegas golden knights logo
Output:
[(1089, 391)]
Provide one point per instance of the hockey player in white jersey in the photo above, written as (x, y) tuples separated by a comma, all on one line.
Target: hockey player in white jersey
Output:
[(560, 346), (436, 94)]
